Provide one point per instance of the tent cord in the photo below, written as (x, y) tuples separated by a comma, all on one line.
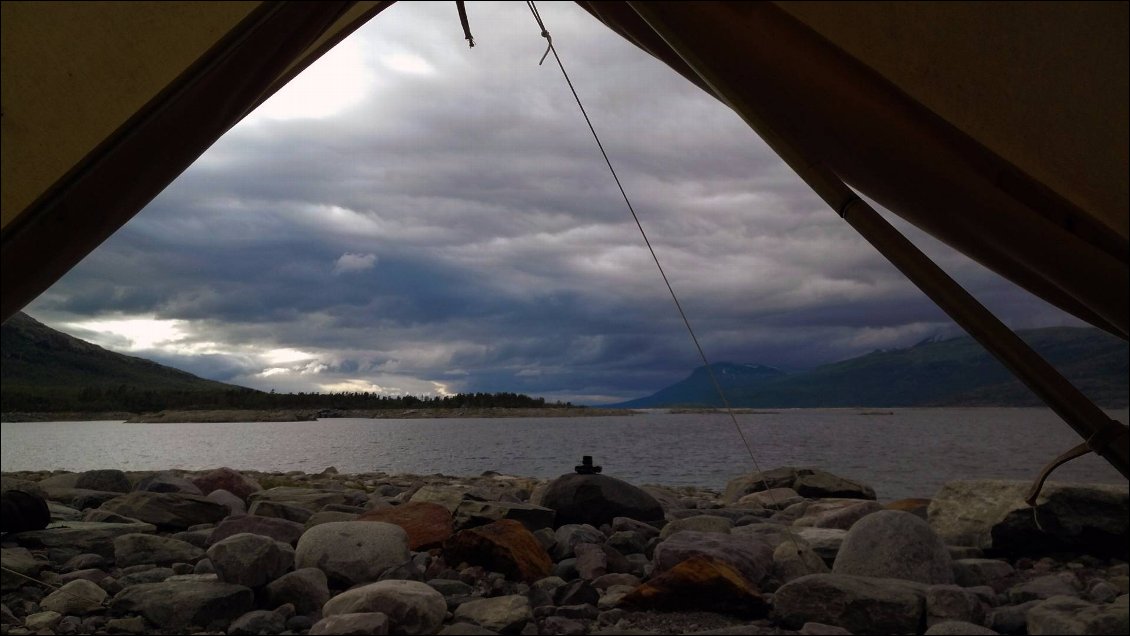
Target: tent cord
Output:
[(662, 273)]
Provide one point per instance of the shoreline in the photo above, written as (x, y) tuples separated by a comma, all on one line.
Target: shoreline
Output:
[(309, 415), (635, 559)]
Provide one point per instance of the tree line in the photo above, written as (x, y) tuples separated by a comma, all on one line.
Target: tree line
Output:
[(133, 399)]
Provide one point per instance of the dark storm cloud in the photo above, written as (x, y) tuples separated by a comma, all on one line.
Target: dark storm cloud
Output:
[(454, 228)]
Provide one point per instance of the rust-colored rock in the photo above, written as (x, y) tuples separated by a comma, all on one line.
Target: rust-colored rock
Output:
[(503, 546), (699, 583), (428, 525), (227, 479)]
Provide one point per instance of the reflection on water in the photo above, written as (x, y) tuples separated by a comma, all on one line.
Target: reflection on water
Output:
[(907, 453)]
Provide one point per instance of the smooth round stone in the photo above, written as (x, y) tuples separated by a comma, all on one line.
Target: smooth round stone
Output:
[(352, 552)]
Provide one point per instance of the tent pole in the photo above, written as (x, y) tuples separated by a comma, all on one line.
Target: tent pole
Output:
[(1107, 437)]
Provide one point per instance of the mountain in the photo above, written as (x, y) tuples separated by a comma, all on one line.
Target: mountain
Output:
[(956, 372), (39, 366)]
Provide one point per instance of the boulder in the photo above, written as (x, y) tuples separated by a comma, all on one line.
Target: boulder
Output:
[(1044, 587), (914, 505), (751, 557), (328, 516), (477, 513), (897, 545), (140, 548), (21, 511), (180, 604), (250, 559), (279, 510), (503, 546), (307, 589), (236, 506), (818, 484), (862, 605), (775, 498), (974, 572), (352, 552), (258, 622), (501, 614), (172, 511), (953, 603), (352, 624), (277, 529), (992, 515), (82, 536), (227, 479), (570, 535), (700, 583), (794, 560), (698, 523), (426, 524), (412, 607), (806, 482), (166, 481), (592, 562), (78, 597), (312, 499), (102, 480), (12, 483), (1068, 615), (598, 499), (958, 628), (16, 562), (841, 515), (447, 496)]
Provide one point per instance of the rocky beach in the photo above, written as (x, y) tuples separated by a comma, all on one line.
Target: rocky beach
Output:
[(787, 551)]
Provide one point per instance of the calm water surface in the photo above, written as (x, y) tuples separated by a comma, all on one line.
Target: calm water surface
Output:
[(906, 453)]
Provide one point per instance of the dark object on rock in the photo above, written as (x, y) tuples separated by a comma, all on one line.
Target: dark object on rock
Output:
[(598, 499), (586, 467), (23, 511)]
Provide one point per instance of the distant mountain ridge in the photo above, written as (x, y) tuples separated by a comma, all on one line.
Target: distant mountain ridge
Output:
[(37, 358), (955, 372)]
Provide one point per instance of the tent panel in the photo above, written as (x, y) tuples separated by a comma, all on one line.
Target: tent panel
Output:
[(75, 72), (1042, 84)]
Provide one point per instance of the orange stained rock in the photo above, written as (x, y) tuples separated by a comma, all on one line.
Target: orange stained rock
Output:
[(428, 525)]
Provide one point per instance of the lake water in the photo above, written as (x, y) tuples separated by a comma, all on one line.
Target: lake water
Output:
[(906, 453)]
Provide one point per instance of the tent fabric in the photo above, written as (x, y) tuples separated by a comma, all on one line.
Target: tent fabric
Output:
[(796, 84), (998, 128)]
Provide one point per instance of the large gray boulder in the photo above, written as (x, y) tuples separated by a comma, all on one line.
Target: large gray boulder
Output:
[(992, 515), (104, 480), (277, 529), (862, 605), (352, 552), (502, 614), (751, 557), (166, 481), (598, 499), (312, 499), (1068, 615), (82, 536), (470, 514), (806, 482), (307, 589), (894, 544), (412, 607), (18, 563), (179, 604), (360, 624), (172, 511), (141, 548), (250, 559), (77, 597)]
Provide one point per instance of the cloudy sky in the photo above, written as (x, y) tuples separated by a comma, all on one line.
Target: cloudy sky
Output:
[(414, 216)]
